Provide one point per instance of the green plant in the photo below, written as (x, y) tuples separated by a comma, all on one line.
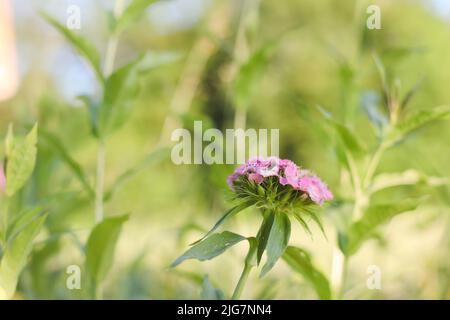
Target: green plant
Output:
[(20, 225)]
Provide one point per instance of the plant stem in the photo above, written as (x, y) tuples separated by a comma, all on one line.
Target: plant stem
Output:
[(99, 184), (373, 164), (242, 281), (108, 68), (338, 272)]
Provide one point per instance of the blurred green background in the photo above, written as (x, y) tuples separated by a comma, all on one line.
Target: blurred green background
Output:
[(323, 56)]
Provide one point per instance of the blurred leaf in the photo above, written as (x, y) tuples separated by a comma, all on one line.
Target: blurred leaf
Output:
[(15, 257), (227, 214), (93, 110), (370, 102), (82, 45), (20, 161), (101, 246), (154, 157), (250, 74), (300, 261), (416, 121), (346, 136), (210, 248), (121, 90), (58, 147), (19, 222), (278, 241), (410, 94), (263, 234), (131, 14), (303, 223), (374, 216), (209, 292)]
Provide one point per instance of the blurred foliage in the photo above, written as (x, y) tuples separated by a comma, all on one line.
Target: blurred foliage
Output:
[(338, 92)]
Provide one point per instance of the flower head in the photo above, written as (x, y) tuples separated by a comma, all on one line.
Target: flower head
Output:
[(274, 172)]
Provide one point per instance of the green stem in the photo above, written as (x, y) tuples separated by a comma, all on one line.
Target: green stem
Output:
[(108, 68), (373, 164), (242, 281), (100, 183)]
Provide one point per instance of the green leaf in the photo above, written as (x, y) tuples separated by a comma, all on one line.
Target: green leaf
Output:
[(15, 257), (21, 159), (300, 261), (373, 217), (101, 246), (303, 223), (80, 44), (263, 234), (209, 292), (278, 241), (211, 247), (416, 121), (227, 215), (120, 92), (346, 136), (58, 147), (20, 221), (131, 14)]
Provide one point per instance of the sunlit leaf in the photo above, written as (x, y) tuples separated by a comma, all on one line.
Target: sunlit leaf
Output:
[(15, 256), (21, 159), (278, 241), (300, 261), (210, 247)]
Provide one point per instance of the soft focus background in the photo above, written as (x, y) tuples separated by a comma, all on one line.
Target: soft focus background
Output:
[(323, 56)]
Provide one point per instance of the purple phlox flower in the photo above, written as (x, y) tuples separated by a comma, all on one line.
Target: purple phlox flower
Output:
[(315, 188), (258, 169)]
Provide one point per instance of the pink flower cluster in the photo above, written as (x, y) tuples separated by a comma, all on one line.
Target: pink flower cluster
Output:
[(288, 173)]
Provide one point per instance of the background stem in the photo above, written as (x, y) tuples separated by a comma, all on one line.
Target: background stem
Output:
[(99, 183)]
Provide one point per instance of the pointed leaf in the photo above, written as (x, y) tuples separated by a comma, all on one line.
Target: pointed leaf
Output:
[(211, 247), (278, 241), (227, 215), (101, 246), (15, 257), (263, 234), (20, 161)]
